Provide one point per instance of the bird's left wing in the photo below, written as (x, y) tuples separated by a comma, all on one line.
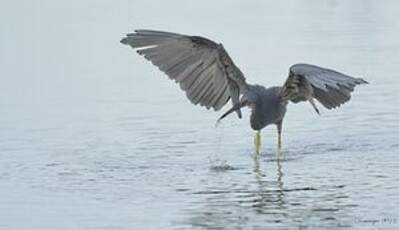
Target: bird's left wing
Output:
[(202, 67), (329, 87)]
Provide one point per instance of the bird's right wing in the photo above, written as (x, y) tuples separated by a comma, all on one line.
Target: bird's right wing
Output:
[(329, 87), (202, 67)]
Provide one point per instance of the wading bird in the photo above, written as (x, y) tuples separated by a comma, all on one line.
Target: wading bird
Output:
[(208, 75)]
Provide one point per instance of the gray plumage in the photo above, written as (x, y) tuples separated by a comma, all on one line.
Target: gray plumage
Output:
[(207, 74), (266, 104), (203, 68)]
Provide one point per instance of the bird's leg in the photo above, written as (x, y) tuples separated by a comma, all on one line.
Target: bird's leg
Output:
[(257, 142), (279, 128)]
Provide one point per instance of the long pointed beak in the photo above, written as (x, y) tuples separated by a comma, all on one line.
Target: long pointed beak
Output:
[(232, 109)]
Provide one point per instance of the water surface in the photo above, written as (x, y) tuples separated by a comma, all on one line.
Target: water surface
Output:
[(94, 137)]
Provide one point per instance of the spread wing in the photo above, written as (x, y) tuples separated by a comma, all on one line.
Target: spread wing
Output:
[(202, 67), (329, 87)]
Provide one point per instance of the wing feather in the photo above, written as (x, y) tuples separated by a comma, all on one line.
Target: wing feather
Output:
[(203, 68), (329, 87), (222, 99)]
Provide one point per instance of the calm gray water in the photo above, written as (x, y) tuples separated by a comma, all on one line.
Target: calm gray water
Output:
[(94, 137)]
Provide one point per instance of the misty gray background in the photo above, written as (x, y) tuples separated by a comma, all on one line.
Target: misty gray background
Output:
[(94, 137)]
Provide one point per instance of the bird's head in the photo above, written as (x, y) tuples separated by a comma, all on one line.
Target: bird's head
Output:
[(249, 98)]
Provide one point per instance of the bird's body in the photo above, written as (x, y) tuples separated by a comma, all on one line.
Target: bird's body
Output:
[(210, 78), (268, 108)]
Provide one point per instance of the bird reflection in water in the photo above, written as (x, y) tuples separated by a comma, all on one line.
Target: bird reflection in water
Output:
[(269, 200), (229, 207)]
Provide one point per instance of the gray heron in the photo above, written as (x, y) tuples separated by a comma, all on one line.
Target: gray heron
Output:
[(209, 77)]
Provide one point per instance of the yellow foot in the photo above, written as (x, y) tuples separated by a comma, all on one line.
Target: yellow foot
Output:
[(257, 142)]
